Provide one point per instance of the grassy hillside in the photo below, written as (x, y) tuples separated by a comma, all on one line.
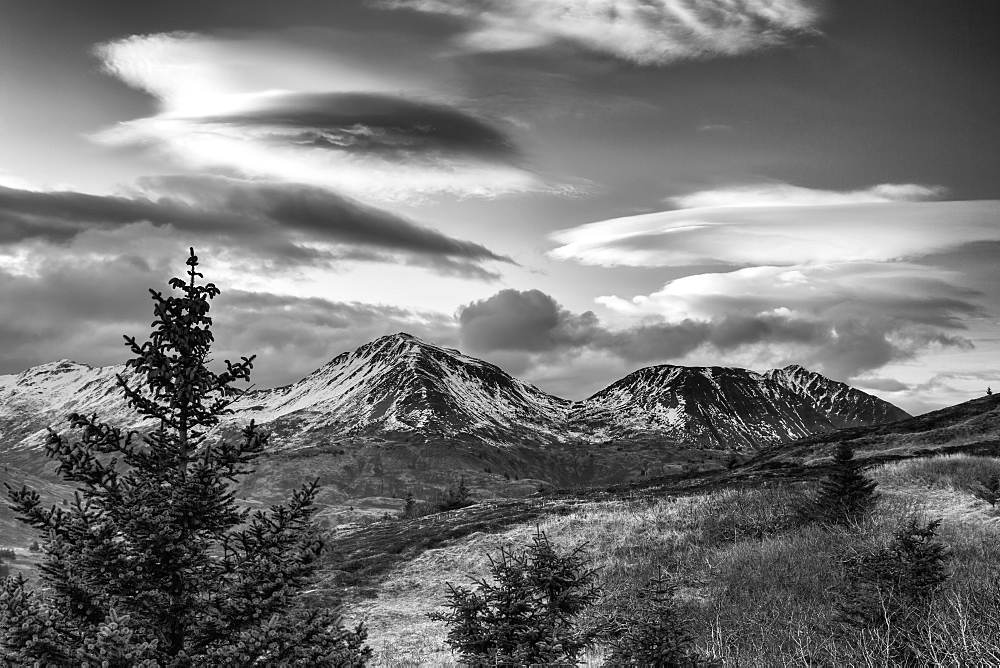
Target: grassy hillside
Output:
[(757, 585)]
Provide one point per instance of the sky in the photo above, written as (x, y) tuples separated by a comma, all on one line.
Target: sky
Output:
[(569, 189)]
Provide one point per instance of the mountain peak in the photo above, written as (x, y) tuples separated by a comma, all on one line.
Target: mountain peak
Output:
[(845, 405)]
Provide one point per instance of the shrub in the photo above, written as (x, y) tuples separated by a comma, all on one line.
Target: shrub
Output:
[(889, 590), (154, 563), (846, 494), (8, 554), (528, 613), (654, 634), (34, 547), (455, 497)]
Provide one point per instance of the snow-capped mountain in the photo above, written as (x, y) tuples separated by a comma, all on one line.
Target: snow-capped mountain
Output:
[(841, 403), (45, 395), (716, 407), (399, 385), (403, 389)]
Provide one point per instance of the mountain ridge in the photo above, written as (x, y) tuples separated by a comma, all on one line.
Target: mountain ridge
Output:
[(399, 387)]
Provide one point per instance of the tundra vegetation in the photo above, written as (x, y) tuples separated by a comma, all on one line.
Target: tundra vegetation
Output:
[(153, 562)]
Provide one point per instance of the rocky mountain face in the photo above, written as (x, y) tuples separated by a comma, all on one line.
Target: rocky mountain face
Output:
[(712, 407), (402, 389), (844, 405)]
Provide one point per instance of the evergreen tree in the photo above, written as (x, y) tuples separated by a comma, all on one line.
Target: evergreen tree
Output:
[(890, 590), (455, 498), (846, 494), (528, 614), (655, 634), (154, 563), (988, 489), (409, 510)]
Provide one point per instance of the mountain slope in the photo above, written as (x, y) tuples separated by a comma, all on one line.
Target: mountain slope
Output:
[(714, 407), (400, 386), (972, 426), (844, 405), (43, 396)]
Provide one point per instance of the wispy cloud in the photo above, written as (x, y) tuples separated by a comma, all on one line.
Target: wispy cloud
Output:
[(640, 31), (260, 108), (784, 225)]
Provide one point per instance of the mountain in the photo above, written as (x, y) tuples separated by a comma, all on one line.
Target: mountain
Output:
[(844, 405), (43, 396), (715, 407), (401, 387), (972, 426)]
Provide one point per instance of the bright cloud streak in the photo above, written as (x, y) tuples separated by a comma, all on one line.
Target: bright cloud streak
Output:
[(646, 32), (784, 225), (202, 81)]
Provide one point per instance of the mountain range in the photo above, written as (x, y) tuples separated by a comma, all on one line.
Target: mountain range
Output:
[(399, 388)]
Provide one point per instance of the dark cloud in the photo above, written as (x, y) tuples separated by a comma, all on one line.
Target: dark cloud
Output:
[(529, 321), (80, 309), (524, 330), (280, 221), (883, 384), (373, 123)]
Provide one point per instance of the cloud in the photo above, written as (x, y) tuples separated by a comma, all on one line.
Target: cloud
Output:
[(784, 225), (288, 223), (241, 105), (883, 384), (845, 318), (846, 282), (837, 333), (647, 33), (80, 306), (367, 123)]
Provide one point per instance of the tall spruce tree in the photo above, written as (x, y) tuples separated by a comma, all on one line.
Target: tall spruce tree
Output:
[(846, 494), (153, 563)]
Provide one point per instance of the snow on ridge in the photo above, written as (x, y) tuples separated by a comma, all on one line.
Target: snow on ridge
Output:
[(400, 384)]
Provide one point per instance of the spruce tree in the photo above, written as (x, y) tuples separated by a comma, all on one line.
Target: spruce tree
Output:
[(153, 563), (654, 633), (528, 614), (988, 489), (890, 590), (846, 494)]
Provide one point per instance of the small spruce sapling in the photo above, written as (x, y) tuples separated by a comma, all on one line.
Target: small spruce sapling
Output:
[(154, 563), (890, 590), (846, 494), (988, 489), (527, 613), (654, 634)]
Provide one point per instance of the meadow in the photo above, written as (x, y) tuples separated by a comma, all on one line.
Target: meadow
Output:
[(758, 583)]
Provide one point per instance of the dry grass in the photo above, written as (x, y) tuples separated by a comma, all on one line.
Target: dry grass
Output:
[(757, 586)]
